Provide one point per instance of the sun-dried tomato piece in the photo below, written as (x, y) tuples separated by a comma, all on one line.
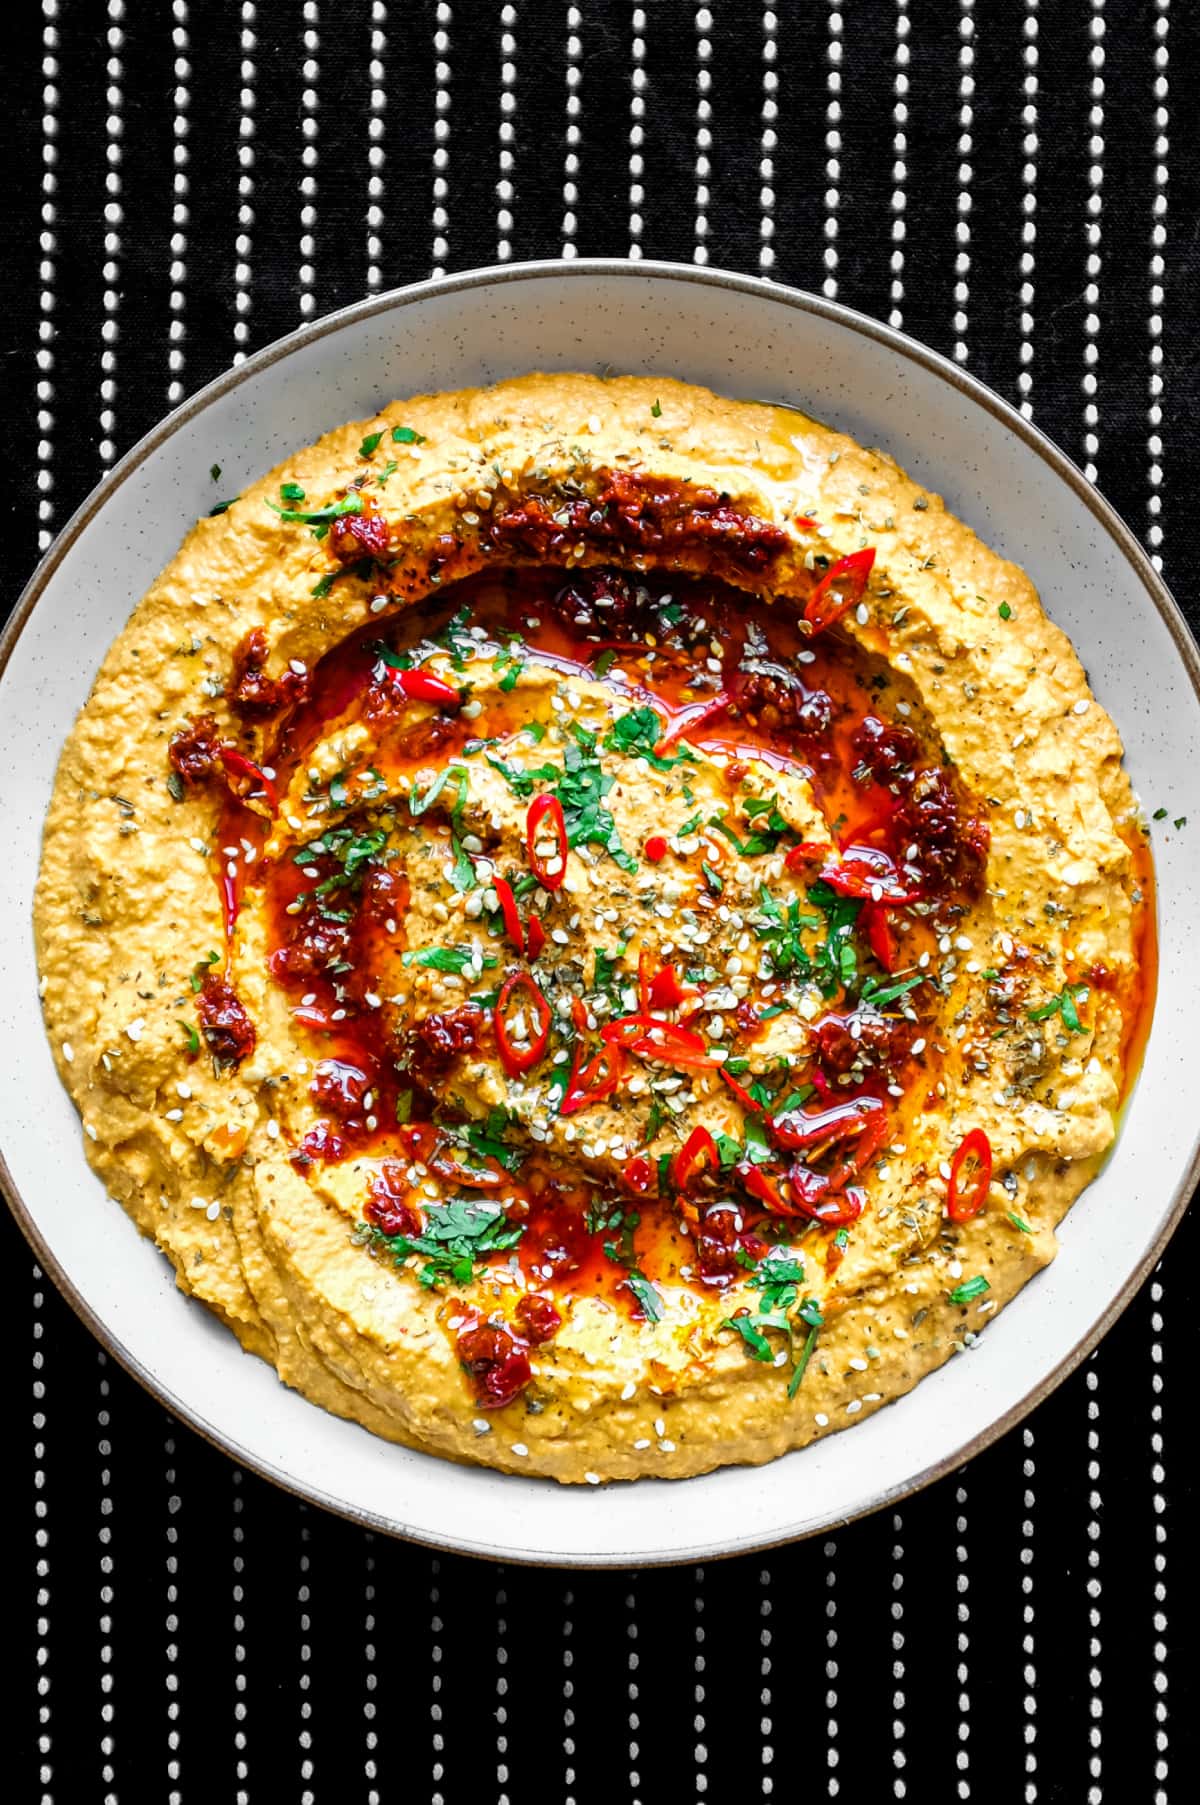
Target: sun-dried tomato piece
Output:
[(496, 1363), (388, 1207), (194, 750), (353, 537), (252, 694), (339, 1088), (227, 1029), (537, 1318)]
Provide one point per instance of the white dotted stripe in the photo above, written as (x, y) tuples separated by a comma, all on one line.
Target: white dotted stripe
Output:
[(568, 1699), (962, 227), (570, 191), (1158, 244), (177, 331), (107, 1594), (171, 1625), (1095, 1645), (832, 1785), (699, 1715), (501, 1710), (241, 1767), (703, 132), (766, 1723), (1158, 1479), (41, 1537), (769, 142), (962, 1585), (113, 217), (1029, 1672), (1093, 229), (304, 1657), (899, 1701), (245, 243), (310, 130), (899, 163), (376, 151), (370, 1678), (637, 110), (833, 148), (47, 273), (1029, 146), (438, 1739), (441, 136), (508, 131), (631, 1689)]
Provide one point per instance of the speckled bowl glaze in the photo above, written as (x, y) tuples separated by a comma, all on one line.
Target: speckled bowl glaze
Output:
[(743, 338)]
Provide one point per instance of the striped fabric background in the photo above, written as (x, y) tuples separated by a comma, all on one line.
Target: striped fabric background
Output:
[(1016, 182)]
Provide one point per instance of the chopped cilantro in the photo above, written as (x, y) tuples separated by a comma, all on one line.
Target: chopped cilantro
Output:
[(970, 1288), (876, 992), (349, 504), (200, 967), (223, 507), (215, 472), (190, 1036), (689, 827), (647, 1296), (1018, 1223), (712, 878), (456, 1235), (1004, 611), (404, 1106), (418, 804), (1160, 814), (370, 444), (460, 959), (604, 663), (523, 782), (638, 733), (462, 871), (656, 410), (1063, 1005), (407, 435)]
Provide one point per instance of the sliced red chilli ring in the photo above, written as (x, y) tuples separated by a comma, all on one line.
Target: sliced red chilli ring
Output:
[(652, 1039), (698, 1151), (666, 992), (807, 853), (515, 1059), (638, 1175), (869, 873), (423, 686), (535, 937), (874, 923), (842, 586), (960, 1205), (815, 1132), (544, 809), (238, 765), (740, 1092), (508, 910), (594, 1081)]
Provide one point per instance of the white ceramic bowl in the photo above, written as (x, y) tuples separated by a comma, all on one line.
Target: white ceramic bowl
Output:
[(744, 338)]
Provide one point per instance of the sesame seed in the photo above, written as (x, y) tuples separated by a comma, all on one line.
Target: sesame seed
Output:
[(378, 603), (519, 1447), (642, 1443), (666, 1447), (592, 1478), (174, 1115), (136, 1029), (853, 1405), (628, 1390), (213, 1210), (68, 1051), (821, 1420), (1082, 706), (862, 614), (660, 1427), (480, 1426)]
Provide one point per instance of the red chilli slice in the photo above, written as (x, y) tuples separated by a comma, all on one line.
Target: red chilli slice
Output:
[(697, 1151), (514, 1059), (839, 589), (238, 765), (976, 1146), (508, 909), (422, 686), (546, 808)]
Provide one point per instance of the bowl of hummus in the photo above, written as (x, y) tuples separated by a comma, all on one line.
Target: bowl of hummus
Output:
[(595, 926)]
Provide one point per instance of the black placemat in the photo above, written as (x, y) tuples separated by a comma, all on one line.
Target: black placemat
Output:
[(1016, 184)]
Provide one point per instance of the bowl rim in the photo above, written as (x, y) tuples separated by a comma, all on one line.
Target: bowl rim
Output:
[(583, 269)]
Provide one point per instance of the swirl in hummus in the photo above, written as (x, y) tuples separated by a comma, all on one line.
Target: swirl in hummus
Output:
[(598, 926)]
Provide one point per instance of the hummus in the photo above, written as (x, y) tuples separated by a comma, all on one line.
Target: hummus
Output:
[(597, 926)]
